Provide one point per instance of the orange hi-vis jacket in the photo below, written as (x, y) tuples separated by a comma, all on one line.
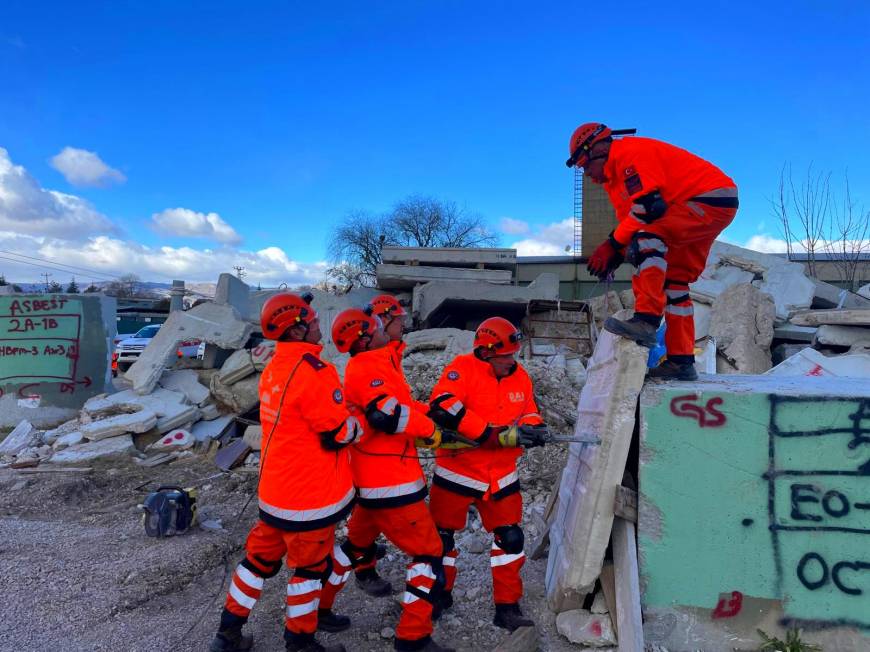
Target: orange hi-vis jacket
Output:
[(384, 461), (469, 382), (305, 479), (637, 166)]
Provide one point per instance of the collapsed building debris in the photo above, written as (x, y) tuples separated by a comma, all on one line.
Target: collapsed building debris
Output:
[(741, 322)]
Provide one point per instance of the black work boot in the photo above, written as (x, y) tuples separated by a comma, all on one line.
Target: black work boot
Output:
[(641, 328), (307, 643), (445, 602), (509, 617), (372, 583), (231, 640), (328, 621), (426, 644), (672, 369)]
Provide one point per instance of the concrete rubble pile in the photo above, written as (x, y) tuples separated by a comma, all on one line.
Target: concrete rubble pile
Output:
[(173, 410), (762, 309)]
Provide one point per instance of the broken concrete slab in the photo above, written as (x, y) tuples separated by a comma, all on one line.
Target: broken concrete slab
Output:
[(810, 362), (50, 436), (604, 306), (213, 429), (405, 277), (216, 324), (784, 351), (232, 291), (170, 407), (489, 257), (830, 296), (580, 531), (20, 438), (437, 298), (174, 440), (453, 341), (238, 366), (209, 412), (701, 317), (262, 353), (587, 629), (119, 445), (742, 325), (742, 447), (626, 297), (239, 397), (834, 317), (186, 382), (795, 333), (120, 424), (864, 291), (784, 280), (842, 335), (67, 440)]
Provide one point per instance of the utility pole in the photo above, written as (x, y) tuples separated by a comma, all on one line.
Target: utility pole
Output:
[(240, 271), (46, 275)]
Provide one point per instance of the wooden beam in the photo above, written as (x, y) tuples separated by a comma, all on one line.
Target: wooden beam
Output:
[(627, 578), (608, 588), (625, 504), (56, 469)]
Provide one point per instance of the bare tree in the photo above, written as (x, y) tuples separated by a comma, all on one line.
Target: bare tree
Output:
[(416, 221), (803, 213), (124, 286), (848, 240)]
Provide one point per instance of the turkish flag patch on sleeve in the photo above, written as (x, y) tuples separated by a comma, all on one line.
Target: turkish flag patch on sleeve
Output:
[(633, 184)]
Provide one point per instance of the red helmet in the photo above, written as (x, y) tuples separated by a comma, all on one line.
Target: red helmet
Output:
[(386, 305), (351, 325), (285, 310), (582, 140), (499, 335)]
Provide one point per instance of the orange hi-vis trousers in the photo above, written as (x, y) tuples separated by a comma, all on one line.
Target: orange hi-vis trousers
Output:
[(411, 529), (307, 552), (670, 253), (450, 511)]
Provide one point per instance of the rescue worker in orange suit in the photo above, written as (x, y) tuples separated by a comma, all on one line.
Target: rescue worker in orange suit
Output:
[(305, 484), (386, 471), (671, 205), (483, 395)]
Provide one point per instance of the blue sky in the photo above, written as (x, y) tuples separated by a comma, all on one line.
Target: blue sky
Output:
[(281, 117)]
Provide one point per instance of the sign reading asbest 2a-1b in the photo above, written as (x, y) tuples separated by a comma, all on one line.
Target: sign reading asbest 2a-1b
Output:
[(39, 339)]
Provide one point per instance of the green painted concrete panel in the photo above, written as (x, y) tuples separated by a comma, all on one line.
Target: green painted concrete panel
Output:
[(763, 493)]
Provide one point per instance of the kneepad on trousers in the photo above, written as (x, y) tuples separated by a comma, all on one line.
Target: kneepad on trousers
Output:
[(510, 538)]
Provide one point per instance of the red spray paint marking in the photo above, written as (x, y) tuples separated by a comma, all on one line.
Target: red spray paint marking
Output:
[(729, 605), (815, 371), (595, 628), (707, 416)]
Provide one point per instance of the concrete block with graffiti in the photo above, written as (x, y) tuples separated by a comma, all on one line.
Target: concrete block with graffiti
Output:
[(755, 511), (54, 355)]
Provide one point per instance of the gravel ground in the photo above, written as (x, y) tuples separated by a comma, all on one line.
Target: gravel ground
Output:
[(78, 573)]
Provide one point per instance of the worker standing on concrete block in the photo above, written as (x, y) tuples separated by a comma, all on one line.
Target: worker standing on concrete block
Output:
[(671, 205), (484, 395), (305, 484), (388, 476)]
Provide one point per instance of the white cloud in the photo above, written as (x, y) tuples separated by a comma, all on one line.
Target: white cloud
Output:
[(64, 229), (768, 244), (83, 168), (549, 240), (185, 222), (26, 207), (513, 227), (115, 257)]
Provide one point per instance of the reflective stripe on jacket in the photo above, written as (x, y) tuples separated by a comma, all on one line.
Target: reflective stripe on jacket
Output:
[(385, 467), (488, 400)]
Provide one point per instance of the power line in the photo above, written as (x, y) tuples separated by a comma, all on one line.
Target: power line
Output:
[(57, 264), (49, 264)]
